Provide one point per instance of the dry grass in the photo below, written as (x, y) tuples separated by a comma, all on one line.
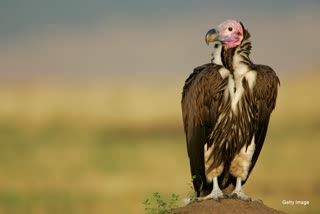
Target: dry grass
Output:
[(103, 149)]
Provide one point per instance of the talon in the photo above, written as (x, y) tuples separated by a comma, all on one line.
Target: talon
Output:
[(215, 194), (238, 192)]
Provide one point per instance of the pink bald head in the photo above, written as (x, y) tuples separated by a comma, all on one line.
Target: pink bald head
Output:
[(230, 33)]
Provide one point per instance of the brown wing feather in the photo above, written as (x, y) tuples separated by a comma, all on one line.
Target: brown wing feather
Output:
[(201, 96), (265, 95)]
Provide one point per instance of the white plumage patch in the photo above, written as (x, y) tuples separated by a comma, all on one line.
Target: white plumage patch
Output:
[(251, 77), (238, 92), (231, 87), (224, 72), (217, 47), (241, 163), (208, 162)]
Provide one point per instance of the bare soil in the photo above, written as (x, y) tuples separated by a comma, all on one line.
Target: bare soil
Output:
[(226, 206)]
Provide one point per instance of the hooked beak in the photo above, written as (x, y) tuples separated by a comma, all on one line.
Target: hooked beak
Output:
[(211, 36)]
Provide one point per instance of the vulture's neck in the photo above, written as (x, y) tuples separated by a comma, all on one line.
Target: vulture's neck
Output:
[(237, 59)]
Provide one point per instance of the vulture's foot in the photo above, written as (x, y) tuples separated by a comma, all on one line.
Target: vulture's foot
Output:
[(240, 195), (238, 192), (216, 194)]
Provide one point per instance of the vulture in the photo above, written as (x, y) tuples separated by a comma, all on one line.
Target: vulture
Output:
[(226, 107)]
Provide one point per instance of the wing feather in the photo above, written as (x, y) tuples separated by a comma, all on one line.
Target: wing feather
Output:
[(201, 98), (265, 95)]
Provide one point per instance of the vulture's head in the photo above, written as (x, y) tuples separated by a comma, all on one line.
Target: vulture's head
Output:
[(229, 33)]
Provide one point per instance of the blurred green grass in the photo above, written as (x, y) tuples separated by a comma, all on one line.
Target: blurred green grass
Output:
[(104, 149)]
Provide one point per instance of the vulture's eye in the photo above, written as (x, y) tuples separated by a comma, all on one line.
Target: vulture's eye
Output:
[(230, 28), (216, 45)]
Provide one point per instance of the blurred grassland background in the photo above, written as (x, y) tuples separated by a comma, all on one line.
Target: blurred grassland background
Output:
[(90, 118), (98, 150)]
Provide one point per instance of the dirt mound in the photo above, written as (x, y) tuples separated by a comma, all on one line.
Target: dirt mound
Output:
[(226, 206)]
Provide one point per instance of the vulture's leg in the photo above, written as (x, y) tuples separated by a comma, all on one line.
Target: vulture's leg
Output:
[(216, 192), (238, 192)]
